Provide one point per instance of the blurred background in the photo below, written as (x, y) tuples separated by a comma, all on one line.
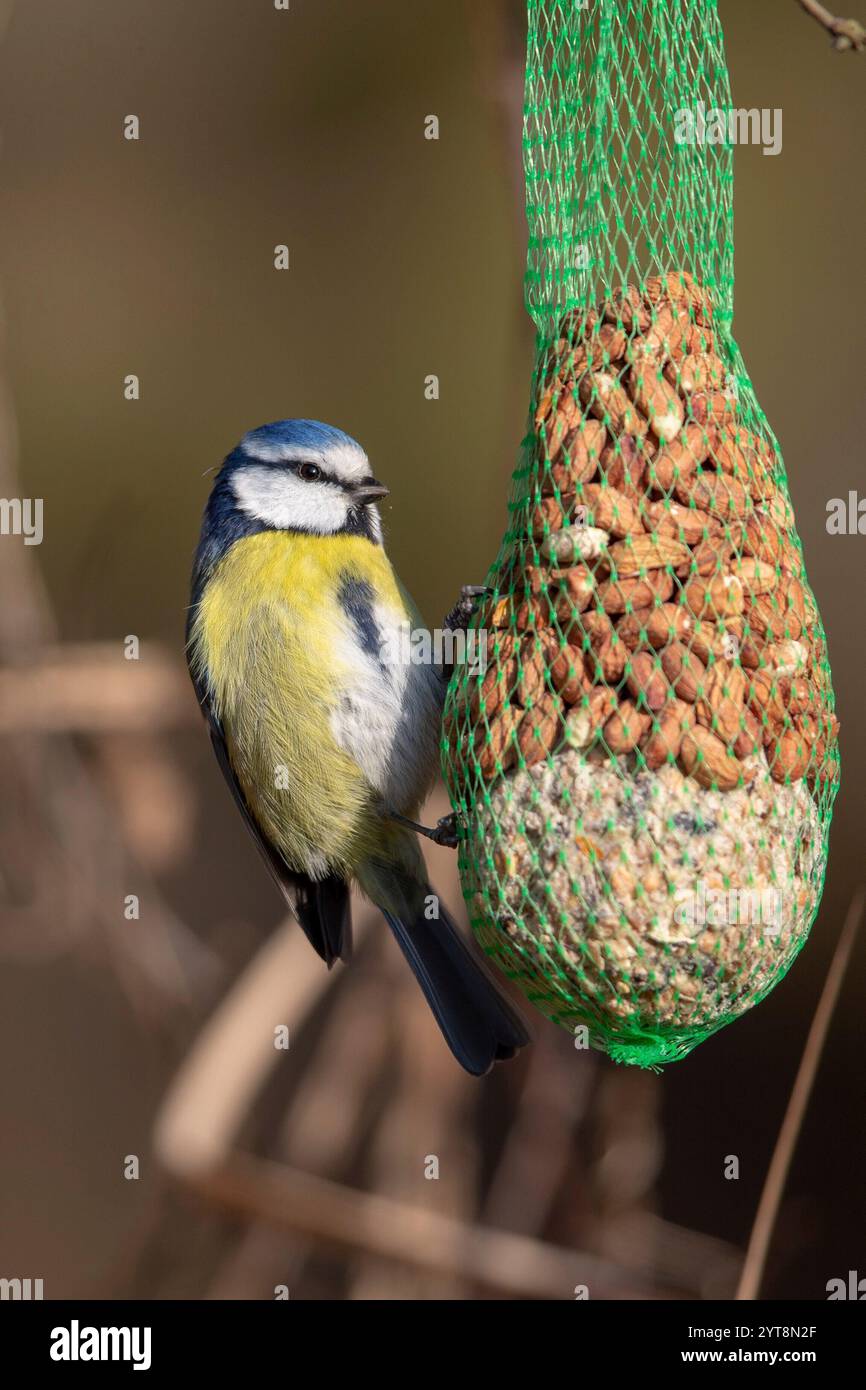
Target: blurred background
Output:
[(309, 1168)]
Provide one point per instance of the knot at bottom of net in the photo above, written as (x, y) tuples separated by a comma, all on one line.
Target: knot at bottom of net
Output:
[(651, 1052)]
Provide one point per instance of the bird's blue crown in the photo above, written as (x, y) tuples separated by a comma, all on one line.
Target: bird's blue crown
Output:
[(283, 438)]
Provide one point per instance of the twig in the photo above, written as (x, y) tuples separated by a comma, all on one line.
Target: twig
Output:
[(327, 1119), (707, 1266), (201, 1120), (378, 1226), (768, 1207), (845, 33), (90, 688), (234, 1054)]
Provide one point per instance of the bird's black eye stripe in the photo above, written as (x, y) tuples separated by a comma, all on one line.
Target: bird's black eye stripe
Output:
[(310, 472)]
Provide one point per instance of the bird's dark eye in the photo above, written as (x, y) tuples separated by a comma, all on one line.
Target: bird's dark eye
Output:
[(310, 472)]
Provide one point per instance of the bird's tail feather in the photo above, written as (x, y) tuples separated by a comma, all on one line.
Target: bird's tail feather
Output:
[(323, 908), (477, 1020)]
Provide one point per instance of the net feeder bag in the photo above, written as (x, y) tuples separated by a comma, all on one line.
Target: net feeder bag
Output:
[(646, 766)]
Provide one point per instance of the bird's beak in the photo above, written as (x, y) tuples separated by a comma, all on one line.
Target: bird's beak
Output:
[(369, 492)]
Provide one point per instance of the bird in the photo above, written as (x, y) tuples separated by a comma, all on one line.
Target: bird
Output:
[(328, 743)]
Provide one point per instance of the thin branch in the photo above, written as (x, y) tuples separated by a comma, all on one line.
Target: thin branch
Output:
[(90, 688), (200, 1126), (771, 1197), (845, 33), (369, 1224)]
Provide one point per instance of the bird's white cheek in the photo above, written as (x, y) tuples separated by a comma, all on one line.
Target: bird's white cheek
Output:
[(375, 524), (284, 501)]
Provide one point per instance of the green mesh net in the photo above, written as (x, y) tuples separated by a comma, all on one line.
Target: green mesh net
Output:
[(646, 764)]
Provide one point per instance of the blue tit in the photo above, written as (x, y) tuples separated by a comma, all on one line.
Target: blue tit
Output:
[(329, 745)]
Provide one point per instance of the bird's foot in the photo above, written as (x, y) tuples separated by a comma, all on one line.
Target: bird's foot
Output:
[(461, 614), (443, 833), (446, 832)]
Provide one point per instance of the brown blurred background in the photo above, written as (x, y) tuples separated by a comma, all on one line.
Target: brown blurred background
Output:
[(156, 258)]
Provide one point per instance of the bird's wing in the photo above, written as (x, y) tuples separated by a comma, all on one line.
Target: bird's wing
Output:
[(387, 715), (321, 905)]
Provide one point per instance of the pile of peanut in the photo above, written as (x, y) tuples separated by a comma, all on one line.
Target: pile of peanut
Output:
[(653, 604)]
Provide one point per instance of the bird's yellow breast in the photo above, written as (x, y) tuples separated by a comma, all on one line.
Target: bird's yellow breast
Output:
[(271, 636)]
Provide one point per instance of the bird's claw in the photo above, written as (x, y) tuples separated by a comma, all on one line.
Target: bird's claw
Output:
[(464, 608), (446, 833)]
